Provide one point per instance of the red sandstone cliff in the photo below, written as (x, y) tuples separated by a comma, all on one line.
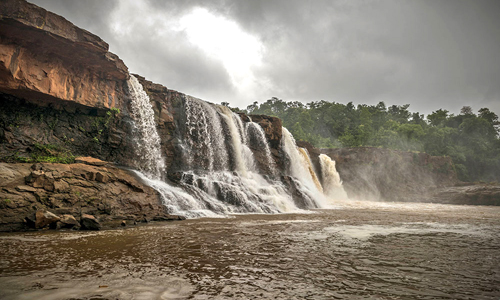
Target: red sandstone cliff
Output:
[(45, 58)]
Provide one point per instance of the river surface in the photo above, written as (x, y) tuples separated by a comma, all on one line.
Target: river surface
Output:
[(360, 250)]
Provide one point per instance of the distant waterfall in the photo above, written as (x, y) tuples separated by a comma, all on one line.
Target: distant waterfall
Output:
[(299, 168), (147, 148), (332, 184), (310, 168)]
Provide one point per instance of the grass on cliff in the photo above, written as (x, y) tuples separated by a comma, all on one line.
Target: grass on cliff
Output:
[(47, 153)]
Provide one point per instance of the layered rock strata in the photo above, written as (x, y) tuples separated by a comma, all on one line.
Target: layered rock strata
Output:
[(42, 194)]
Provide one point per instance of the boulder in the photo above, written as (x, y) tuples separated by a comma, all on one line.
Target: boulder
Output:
[(45, 218), (89, 222), (68, 221)]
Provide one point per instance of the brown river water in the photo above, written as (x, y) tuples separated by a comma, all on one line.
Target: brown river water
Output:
[(361, 250)]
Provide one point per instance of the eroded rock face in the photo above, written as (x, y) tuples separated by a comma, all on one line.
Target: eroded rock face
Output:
[(69, 191), (46, 59), (25, 127)]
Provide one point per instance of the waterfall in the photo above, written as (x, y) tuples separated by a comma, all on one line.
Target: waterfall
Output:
[(310, 168), (149, 159), (221, 175), (299, 168), (218, 173), (236, 142), (332, 184), (256, 136), (205, 136)]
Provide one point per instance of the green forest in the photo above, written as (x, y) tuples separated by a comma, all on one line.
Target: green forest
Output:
[(470, 139)]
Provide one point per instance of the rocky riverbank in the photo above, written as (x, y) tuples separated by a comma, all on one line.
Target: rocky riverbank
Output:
[(91, 194)]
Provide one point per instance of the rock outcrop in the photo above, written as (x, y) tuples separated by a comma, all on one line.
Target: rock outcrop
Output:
[(47, 60), (44, 194), (59, 87), (470, 194)]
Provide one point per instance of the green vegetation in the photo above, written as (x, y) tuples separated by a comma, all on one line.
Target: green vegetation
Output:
[(44, 153), (471, 140)]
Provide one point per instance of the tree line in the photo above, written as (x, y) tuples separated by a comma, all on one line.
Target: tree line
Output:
[(471, 140)]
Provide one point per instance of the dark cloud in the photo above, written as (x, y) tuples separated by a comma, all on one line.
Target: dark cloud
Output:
[(430, 54)]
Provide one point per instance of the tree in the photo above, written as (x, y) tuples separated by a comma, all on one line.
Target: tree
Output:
[(466, 110), (438, 117)]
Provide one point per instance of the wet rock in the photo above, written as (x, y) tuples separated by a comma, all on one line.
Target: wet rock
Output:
[(30, 220), (100, 177), (45, 218), (68, 221), (168, 218), (89, 222)]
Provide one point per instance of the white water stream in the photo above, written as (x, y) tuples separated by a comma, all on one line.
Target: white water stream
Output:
[(147, 147)]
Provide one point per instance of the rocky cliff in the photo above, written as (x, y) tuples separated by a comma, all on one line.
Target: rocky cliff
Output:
[(392, 175), (48, 61)]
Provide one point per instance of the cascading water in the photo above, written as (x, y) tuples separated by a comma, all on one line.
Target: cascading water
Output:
[(236, 186), (332, 185), (256, 136), (299, 168), (205, 139), (239, 161), (219, 173), (310, 168), (147, 141)]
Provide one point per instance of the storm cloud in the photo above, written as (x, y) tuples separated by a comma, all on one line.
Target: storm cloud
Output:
[(429, 54)]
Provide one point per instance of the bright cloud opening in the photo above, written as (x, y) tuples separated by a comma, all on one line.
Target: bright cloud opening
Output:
[(224, 40)]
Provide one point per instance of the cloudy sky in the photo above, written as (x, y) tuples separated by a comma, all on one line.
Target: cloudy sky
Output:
[(430, 54)]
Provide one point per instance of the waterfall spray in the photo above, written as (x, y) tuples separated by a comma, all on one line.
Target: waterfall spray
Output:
[(332, 184)]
